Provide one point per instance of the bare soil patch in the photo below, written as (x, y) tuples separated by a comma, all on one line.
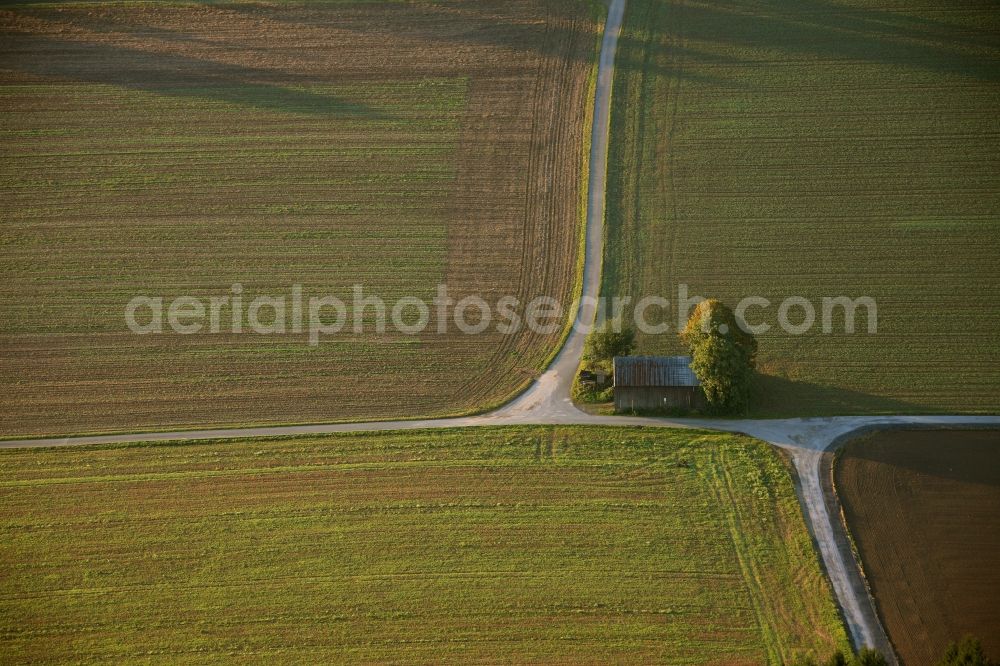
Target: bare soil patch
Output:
[(924, 510)]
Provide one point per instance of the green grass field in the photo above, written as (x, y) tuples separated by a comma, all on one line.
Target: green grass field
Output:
[(179, 148), (529, 545), (814, 148)]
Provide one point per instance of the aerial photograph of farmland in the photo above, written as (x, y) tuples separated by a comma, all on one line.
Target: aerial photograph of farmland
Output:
[(500, 332)]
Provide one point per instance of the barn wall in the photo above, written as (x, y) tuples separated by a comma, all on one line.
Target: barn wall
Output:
[(630, 398)]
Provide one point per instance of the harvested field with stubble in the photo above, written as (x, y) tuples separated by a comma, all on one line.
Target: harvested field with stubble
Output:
[(781, 148), (170, 149), (492, 545), (924, 510)]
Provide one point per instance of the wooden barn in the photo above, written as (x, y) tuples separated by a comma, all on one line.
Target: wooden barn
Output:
[(655, 382)]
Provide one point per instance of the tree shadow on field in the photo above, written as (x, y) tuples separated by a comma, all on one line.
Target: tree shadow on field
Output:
[(493, 24), (780, 397), (955, 453), (669, 38), (45, 57), (823, 30), (109, 23), (683, 41)]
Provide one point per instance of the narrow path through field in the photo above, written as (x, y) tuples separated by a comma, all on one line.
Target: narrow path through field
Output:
[(548, 401), (550, 394)]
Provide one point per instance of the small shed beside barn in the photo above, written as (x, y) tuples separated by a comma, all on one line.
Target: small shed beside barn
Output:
[(655, 382)]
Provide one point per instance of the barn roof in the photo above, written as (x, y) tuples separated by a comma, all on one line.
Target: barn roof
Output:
[(654, 371)]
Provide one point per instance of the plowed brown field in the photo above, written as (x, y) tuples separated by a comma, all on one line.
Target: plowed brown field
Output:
[(175, 149), (924, 510)]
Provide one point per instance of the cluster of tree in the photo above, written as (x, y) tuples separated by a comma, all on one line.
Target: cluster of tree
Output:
[(723, 356), (606, 341), (966, 652)]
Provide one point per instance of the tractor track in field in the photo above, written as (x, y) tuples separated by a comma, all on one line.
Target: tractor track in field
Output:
[(808, 441)]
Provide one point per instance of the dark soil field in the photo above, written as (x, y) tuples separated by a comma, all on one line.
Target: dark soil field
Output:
[(924, 510), (178, 148)]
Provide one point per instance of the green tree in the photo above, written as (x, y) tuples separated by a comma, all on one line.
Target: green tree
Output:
[(870, 657), (836, 659), (723, 356), (966, 652), (605, 342), (712, 317)]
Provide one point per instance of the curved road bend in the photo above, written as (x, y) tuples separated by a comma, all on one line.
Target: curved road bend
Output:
[(810, 442), (551, 391), (547, 401)]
